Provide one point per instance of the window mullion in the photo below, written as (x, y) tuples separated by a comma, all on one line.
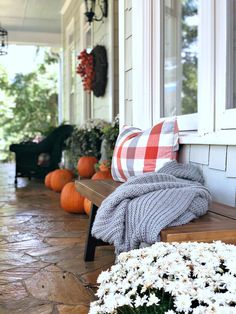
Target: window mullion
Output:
[(206, 67)]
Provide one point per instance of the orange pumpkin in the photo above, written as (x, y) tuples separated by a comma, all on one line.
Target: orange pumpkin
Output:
[(59, 179), (71, 200), (87, 206), (105, 166), (102, 175), (86, 166), (47, 180)]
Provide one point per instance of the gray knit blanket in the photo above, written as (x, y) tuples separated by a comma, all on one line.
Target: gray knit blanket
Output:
[(140, 208)]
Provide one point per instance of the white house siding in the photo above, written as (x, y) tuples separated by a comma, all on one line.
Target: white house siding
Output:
[(103, 107), (219, 168), (107, 35), (72, 11)]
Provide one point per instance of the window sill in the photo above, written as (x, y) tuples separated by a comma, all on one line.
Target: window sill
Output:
[(224, 137)]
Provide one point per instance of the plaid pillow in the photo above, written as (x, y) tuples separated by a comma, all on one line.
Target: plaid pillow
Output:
[(137, 152)]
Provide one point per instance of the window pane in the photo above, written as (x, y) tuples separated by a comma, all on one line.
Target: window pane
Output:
[(231, 55), (180, 56)]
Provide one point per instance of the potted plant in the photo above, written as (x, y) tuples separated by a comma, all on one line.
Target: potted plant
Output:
[(110, 134), (85, 141), (170, 278)]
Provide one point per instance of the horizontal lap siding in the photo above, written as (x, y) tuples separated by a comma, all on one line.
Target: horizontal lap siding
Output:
[(102, 105)]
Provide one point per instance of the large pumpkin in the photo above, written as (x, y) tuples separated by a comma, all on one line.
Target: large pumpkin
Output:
[(47, 180), (102, 175), (86, 166), (71, 200), (59, 179), (87, 206)]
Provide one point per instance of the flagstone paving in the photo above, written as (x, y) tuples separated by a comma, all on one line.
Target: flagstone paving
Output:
[(41, 252)]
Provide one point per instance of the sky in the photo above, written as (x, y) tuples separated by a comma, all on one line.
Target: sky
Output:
[(21, 59)]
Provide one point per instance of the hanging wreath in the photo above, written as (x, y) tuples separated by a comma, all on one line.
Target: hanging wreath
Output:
[(86, 69), (93, 70), (100, 68)]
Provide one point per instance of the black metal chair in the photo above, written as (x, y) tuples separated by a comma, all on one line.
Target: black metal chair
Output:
[(27, 154)]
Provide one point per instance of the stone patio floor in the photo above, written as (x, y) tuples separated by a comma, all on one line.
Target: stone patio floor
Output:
[(41, 252)]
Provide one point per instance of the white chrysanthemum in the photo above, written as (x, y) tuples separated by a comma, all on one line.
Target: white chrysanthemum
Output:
[(200, 310), (188, 271), (103, 277), (153, 299), (123, 300), (95, 308), (183, 303), (140, 301)]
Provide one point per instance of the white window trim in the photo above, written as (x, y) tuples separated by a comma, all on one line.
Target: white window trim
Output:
[(69, 32), (122, 62), (225, 118), (84, 28), (142, 63), (206, 68), (148, 71)]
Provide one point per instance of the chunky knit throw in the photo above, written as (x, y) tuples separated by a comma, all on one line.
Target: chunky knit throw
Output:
[(140, 208)]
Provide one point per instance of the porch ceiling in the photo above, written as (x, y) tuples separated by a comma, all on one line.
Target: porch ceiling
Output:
[(32, 21)]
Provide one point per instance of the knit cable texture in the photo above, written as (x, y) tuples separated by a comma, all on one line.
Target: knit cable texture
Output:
[(140, 208)]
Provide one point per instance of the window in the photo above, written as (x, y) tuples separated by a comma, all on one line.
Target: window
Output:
[(184, 64), (226, 65), (231, 53), (180, 56)]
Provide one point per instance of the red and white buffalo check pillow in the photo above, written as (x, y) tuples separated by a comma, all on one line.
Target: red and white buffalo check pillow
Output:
[(137, 151)]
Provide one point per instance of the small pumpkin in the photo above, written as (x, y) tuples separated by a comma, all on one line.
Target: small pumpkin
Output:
[(102, 175), (87, 206), (47, 180), (86, 166), (105, 165), (71, 200), (59, 179)]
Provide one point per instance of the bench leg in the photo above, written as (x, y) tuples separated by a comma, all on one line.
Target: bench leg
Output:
[(91, 241)]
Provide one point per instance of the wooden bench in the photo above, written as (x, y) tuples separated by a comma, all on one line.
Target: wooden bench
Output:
[(218, 224)]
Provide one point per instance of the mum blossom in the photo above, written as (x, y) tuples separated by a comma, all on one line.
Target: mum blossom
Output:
[(196, 278)]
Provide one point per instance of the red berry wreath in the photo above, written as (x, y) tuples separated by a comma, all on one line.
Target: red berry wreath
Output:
[(86, 69), (93, 70)]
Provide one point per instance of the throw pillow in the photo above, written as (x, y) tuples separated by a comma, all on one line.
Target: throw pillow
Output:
[(137, 151), (43, 160)]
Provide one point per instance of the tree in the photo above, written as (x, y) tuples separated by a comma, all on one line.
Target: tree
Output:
[(28, 104)]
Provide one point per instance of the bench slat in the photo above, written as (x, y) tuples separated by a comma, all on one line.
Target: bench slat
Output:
[(228, 235), (96, 190), (223, 210)]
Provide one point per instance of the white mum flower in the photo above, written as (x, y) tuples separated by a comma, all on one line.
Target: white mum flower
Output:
[(189, 271), (103, 277), (200, 310), (183, 303), (95, 308), (153, 299), (140, 301), (123, 300)]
